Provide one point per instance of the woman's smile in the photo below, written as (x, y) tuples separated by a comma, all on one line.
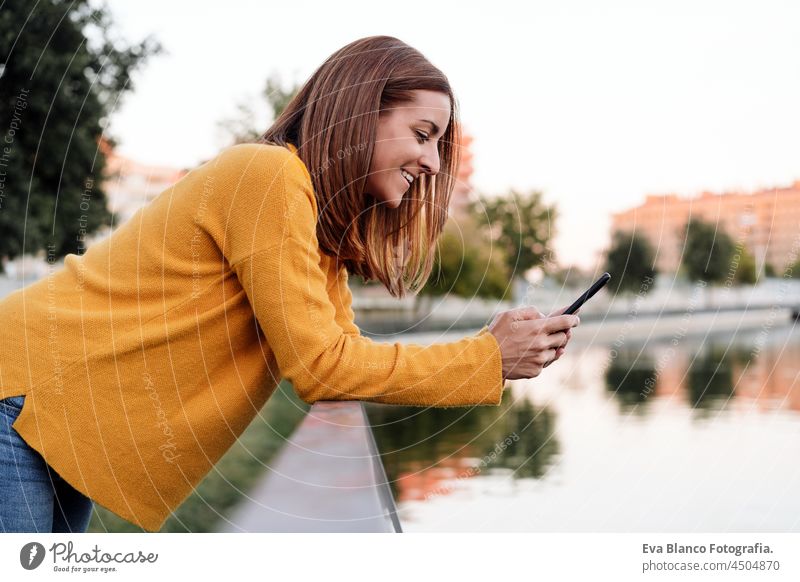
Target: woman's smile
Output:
[(408, 133), (406, 183)]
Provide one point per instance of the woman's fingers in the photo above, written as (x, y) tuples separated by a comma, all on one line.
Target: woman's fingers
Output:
[(561, 310), (527, 314), (559, 353), (546, 357), (560, 323), (556, 340), (523, 316), (531, 341), (548, 324)]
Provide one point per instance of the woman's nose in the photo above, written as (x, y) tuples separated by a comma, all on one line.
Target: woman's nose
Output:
[(429, 163)]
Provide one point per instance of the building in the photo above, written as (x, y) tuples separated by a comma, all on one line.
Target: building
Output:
[(765, 222), (462, 193), (130, 185)]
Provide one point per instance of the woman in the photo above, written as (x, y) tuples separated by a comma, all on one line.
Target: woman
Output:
[(131, 370)]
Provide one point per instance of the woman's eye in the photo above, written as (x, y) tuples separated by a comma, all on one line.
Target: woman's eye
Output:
[(421, 137)]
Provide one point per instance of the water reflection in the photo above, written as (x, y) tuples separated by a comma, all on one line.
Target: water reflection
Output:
[(705, 376), (710, 381), (423, 449), (698, 435), (631, 377)]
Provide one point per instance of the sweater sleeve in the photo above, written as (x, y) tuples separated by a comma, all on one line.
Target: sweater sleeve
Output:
[(342, 300), (324, 356)]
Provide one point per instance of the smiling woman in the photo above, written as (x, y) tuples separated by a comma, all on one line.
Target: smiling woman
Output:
[(384, 102), (234, 278), (404, 145)]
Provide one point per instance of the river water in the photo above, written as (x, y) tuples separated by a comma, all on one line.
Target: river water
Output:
[(701, 434)]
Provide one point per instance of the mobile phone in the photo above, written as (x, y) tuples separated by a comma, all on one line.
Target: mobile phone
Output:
[(596, 286)]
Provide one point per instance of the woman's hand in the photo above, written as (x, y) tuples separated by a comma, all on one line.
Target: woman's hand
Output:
[(530, 341), (560, 351)]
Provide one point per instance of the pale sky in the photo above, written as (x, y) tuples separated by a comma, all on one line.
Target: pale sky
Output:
[(595, 103)]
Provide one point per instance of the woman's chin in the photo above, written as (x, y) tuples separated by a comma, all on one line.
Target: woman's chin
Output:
[(393, 202), (387, 201)]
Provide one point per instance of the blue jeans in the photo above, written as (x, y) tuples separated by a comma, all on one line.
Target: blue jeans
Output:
[(33, 497)]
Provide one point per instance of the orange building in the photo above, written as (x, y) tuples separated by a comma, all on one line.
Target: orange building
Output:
[(766, 223), (129, 185), (461, 195)]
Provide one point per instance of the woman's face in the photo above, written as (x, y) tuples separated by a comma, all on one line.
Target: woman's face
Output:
[(407, 142)]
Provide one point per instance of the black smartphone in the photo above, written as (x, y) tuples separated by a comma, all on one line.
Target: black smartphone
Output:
[(596, 286)]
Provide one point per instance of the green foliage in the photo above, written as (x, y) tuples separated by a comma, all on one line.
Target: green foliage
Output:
[(710, 377), (631, 377), (232, 477), (708, 252), (63, 75), (243, 127), (516, 435), (465, 267), (521, 226), (277, 97), (630, 260), (792, 271), (746, 273), (500, 238)]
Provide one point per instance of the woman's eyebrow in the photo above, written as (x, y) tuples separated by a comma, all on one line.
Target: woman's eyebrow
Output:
[(434, 127)]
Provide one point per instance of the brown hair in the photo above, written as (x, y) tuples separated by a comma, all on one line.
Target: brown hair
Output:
[(333, 122)]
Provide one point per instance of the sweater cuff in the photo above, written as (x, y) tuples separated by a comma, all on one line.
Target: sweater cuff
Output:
[(495, 362)]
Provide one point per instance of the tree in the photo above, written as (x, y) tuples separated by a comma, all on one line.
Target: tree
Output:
[(792, 270), (244, 127), (707, 253), (631, 262), (62, 76), (746, 270), (521, 225), (465, 267)]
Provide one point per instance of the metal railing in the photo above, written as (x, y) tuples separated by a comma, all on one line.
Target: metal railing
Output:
[(327, 478)]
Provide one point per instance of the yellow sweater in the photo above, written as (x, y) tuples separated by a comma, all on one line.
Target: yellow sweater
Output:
[(144, 359)]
